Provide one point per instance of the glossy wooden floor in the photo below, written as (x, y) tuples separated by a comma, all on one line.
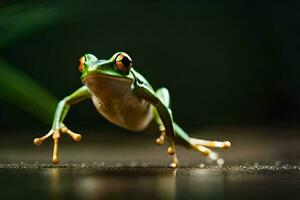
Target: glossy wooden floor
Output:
[(263, 163)]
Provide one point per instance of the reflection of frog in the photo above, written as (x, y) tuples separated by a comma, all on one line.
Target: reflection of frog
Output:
[(125, 98)]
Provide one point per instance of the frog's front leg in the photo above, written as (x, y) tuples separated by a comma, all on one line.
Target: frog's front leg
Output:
[(162, 115), (58, 127), (164, 96)]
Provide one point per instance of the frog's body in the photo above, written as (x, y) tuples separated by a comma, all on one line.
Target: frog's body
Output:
[(125, 98), (113, 98)]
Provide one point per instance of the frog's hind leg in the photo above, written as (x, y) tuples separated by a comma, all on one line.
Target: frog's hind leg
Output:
[(200, 145), (182, 137), (164, 96)]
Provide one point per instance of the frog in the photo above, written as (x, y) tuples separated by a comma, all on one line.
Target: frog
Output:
[(125, 98)]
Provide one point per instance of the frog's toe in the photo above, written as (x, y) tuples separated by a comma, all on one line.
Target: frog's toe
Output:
[(38, 141), (55, 160), (75, 136), (174, 165), (160, 141), (161, 138), (172, 152), (204, 150), (55, 136), (211, 144)]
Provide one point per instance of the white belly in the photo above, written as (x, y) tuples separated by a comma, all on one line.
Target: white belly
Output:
[(114, 100)]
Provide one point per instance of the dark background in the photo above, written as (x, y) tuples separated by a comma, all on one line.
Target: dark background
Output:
[(225, 63), (232, 69)]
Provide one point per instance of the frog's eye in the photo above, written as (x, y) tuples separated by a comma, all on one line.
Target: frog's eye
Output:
[(81, 64), (123, 62)]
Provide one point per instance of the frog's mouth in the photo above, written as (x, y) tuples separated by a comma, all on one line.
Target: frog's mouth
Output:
[(109, 76)]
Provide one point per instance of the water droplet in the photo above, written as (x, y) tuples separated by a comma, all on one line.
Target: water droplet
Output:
[(213, 156), (220, 162)]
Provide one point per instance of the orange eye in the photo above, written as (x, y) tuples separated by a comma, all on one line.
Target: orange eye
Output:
[(81, 64), (123, 62)]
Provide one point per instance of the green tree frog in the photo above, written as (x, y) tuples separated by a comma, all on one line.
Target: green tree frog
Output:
[(124, 97)]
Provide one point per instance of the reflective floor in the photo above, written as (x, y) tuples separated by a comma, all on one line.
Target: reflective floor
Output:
[(149, 183), (260, 168)]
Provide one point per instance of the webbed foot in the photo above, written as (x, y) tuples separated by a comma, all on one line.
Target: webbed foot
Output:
[(203, 147), (56, 133)]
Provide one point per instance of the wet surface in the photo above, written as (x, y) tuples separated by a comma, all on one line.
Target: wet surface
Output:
[(104, 167)]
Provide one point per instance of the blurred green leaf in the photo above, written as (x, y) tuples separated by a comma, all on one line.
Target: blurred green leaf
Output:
[(19, 20), (17, 88), (16, 22)]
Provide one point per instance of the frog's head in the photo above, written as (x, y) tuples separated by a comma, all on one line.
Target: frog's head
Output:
[(119, 65)]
